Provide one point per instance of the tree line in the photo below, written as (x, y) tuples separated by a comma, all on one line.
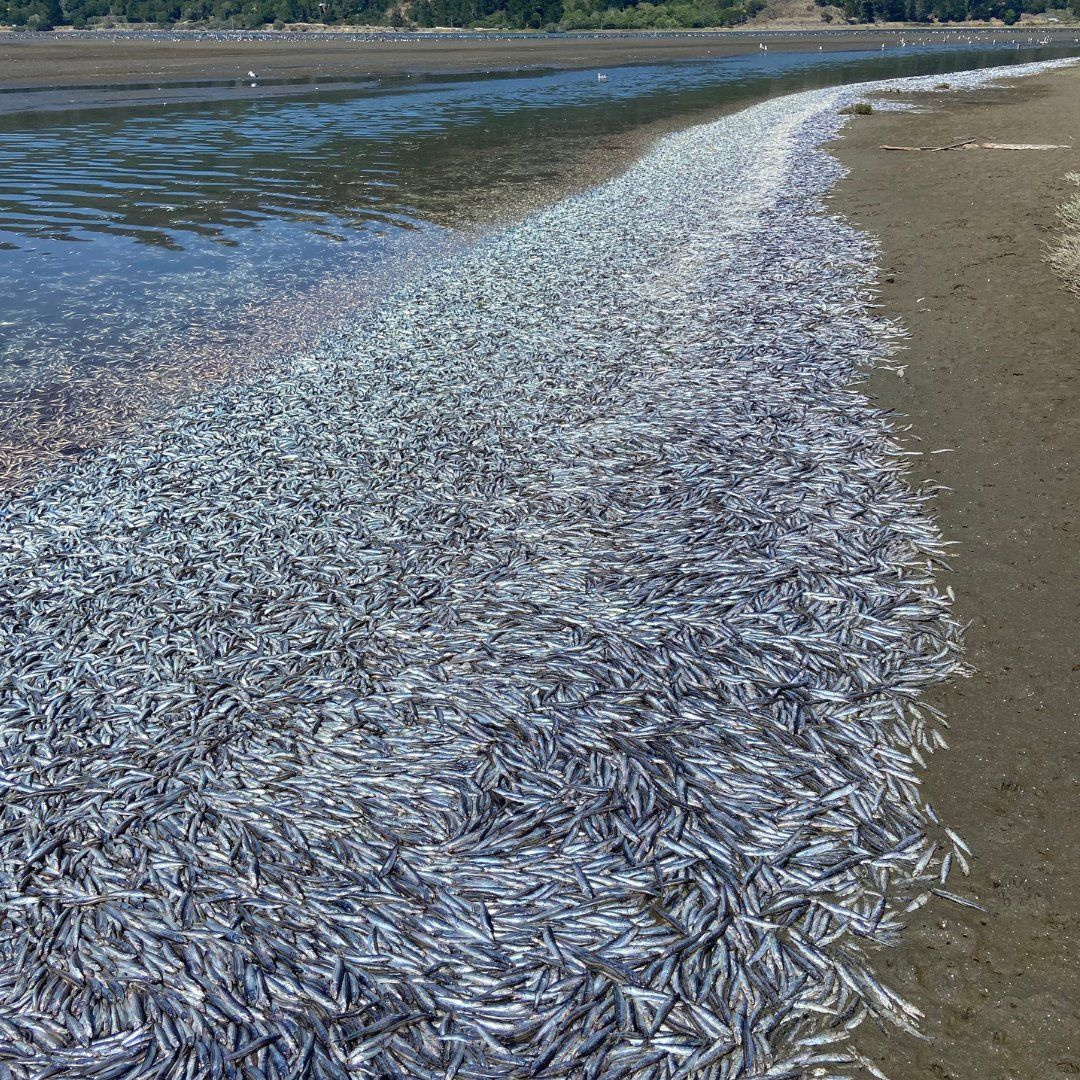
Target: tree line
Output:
[(482, 14), (944, 11)]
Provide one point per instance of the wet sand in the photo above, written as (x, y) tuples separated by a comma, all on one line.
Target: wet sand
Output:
[(80, 60), (992, 372), (69, 60)]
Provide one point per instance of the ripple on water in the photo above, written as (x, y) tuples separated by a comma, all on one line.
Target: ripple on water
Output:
[(148, 249)]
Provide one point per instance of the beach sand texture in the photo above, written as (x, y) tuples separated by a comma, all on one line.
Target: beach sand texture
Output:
[(992, 371)]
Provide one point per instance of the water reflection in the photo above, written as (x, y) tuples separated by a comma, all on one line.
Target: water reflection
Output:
[(371, 154), (147, 248)]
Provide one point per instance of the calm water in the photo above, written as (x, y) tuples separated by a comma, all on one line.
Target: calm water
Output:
[(147, 247)]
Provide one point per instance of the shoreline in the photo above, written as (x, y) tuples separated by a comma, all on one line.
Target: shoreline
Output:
[(478, 622), (84, 411), (74, 60), (991, 373)]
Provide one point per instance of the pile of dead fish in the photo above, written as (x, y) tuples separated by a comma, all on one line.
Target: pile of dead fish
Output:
[(523, 685)]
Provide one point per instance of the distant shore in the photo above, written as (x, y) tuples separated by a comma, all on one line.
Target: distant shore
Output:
[(67, 59)]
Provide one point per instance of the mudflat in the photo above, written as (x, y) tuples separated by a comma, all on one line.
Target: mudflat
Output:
[(992, 373), (67, 59)]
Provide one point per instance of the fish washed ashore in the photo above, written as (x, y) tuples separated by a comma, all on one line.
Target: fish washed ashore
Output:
[(523, 684)]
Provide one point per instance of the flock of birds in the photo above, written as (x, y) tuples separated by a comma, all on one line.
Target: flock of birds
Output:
[(524, 683), (903, 43), (849, 35)]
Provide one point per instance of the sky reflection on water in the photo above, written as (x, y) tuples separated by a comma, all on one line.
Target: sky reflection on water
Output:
[(145, 248)]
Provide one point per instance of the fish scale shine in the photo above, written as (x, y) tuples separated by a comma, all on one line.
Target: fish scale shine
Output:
[(520, 684)]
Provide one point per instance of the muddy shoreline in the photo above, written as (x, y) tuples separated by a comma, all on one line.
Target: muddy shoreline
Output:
[(85, 60), (991, 373)]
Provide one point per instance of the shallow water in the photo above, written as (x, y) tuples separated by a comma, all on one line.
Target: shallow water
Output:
[(147, 247)]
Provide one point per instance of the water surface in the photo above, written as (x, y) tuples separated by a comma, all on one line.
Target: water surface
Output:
[(149, 246)]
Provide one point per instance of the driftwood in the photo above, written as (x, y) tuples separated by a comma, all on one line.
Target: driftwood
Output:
[(974, 144), (1022, 146)]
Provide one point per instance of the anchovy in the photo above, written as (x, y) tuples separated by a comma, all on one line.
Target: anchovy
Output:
[(520, 683)]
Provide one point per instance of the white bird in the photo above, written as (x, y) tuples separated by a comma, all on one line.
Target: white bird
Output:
[(252, 75), (601, 77)]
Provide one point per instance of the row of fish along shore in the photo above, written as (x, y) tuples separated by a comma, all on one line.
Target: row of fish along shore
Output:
[(530, 681)]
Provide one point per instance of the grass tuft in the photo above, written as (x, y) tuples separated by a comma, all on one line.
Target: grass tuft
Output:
[(1064, 254), (860, 108)]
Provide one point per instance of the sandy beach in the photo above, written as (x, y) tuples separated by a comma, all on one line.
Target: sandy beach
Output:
[(81, 60), (992, 374)]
